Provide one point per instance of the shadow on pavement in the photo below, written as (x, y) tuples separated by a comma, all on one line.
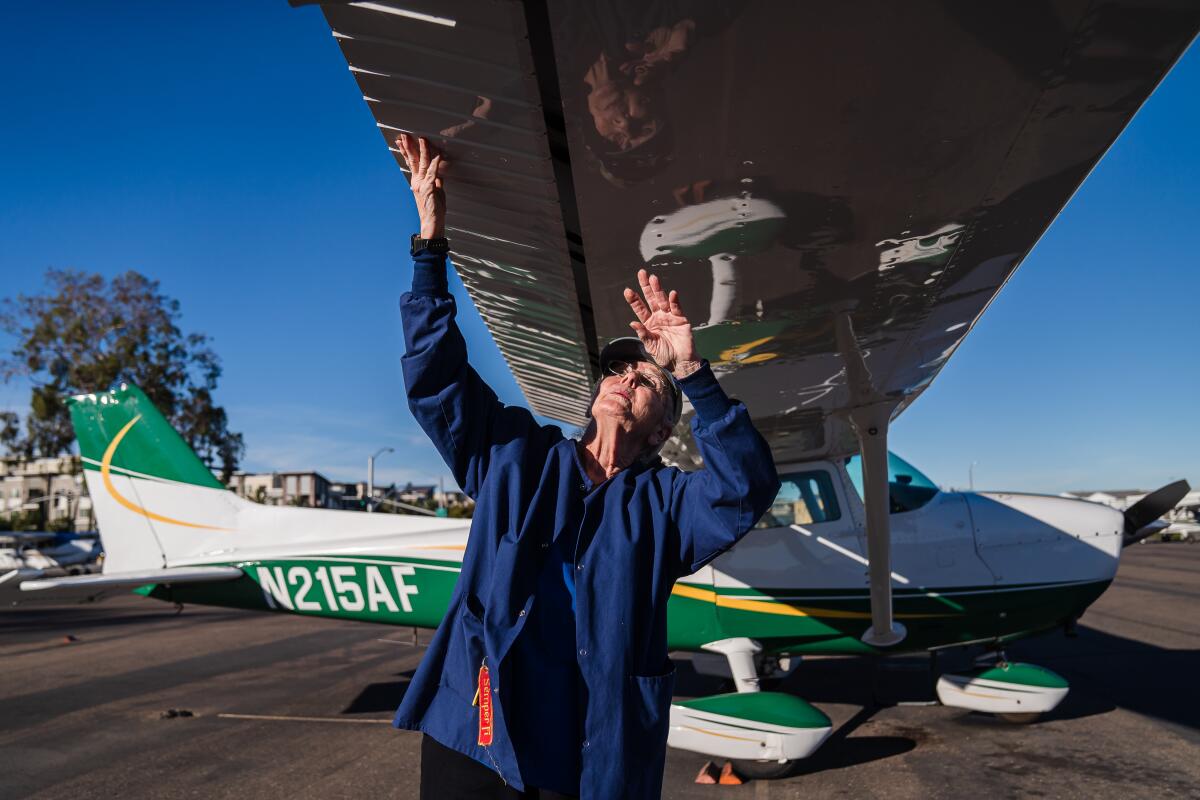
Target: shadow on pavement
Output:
[(21, 624), (842, 750), (378, 697), (1107, 671)]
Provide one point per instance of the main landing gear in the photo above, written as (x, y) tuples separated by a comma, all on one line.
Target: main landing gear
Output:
[(763, 733), (1014, 692)]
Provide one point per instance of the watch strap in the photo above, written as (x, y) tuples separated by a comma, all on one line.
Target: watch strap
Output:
[(439, 245)]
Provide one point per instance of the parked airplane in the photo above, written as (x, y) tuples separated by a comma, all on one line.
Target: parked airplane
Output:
[(967, 567), (35, 555), (846, 186)]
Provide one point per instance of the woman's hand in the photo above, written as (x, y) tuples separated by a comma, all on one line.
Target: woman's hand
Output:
[(424, 166), (664, 330)]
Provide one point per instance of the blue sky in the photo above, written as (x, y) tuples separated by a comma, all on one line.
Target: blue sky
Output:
[(223, 149)]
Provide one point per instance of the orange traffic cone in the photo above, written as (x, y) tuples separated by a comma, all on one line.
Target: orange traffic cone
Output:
[(707, 773), (728, 776)]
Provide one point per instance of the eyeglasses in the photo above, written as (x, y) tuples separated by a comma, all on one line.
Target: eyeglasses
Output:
[(620, 368)]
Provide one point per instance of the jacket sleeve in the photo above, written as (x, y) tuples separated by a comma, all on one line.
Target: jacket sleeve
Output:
[(452, 404), (713, 507)]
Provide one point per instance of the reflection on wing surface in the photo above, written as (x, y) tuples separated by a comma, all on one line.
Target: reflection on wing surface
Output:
[(785, 166)]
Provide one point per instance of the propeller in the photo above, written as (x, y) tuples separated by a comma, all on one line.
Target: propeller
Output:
[(1150, 508)]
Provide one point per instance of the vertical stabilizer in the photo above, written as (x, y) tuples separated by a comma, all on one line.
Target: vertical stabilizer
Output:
[(156, 503)]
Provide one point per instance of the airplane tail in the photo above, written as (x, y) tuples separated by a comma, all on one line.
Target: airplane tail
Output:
[(156, 503)]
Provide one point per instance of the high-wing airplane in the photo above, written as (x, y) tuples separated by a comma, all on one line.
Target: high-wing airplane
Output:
[(844, 188), (967, 568)]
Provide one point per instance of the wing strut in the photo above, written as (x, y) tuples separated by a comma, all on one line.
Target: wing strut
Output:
[(870, 415), (871, 425)]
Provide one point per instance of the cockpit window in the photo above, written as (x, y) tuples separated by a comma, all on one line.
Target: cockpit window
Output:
[(908, 488), (804, 498)]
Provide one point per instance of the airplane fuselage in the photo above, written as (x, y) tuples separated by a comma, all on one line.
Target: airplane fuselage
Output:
[(967, 567)]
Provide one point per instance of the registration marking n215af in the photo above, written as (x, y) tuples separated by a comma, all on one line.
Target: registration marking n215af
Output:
[(342, 587)]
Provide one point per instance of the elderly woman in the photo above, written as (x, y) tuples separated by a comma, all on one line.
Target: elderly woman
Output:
[(549, 674)]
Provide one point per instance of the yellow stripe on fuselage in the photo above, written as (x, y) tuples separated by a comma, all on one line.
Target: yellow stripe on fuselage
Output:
[(777, 607)]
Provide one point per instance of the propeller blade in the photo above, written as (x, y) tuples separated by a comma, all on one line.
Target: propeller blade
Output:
[(1151, 507)]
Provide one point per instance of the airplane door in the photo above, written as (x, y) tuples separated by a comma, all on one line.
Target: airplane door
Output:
[(798, 547)]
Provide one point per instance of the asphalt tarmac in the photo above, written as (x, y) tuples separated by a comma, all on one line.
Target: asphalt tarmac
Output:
[(291, 707)]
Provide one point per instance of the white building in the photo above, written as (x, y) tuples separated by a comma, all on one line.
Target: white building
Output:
[(44, 494)]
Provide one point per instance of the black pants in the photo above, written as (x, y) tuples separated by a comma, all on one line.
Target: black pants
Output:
[(449, 775)]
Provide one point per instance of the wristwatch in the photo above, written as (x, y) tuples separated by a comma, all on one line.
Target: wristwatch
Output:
[(438, 245)]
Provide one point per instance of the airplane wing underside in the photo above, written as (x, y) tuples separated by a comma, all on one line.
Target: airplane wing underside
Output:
[(837, 190)]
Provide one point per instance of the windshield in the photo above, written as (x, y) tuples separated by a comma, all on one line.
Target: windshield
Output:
[(908, 488)]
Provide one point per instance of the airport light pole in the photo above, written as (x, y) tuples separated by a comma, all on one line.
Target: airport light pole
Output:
[(371, 476), (971, 475)]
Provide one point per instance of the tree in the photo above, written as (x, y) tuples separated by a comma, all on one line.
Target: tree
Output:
[(86, 333), (10, 431)]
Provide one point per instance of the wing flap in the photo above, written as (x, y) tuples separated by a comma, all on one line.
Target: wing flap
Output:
[(468, 82)]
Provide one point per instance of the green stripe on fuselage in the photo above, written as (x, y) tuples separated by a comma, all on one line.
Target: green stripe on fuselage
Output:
[(392, 591), (416, 592)]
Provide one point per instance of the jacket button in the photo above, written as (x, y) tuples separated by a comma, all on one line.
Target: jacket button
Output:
[(579, 567), (583, 487), (521, 613), (586, 744), (583, 652)]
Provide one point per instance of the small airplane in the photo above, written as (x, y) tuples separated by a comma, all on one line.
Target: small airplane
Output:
[(847, 187), (39, 554), (968, 568)]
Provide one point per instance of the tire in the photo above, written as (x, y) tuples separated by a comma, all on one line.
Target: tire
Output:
[(1022, 718), (763, 770)]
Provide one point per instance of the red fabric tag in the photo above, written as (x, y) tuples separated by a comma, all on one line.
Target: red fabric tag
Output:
[(485, 706)]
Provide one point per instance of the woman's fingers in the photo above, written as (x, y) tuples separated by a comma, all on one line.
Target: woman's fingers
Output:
[(642, 333), (660, 297), (402, 143), (673, 299), (656, 298), (635, 303), (647, 292), (424, 160)]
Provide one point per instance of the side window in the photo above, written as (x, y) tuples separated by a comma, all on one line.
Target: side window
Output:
[(804, 498)]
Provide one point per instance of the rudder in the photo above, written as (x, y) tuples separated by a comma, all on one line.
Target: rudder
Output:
[(155, 501)]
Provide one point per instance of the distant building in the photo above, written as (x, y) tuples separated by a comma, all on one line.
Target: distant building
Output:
[(44, 494), (311, 489), (452, 499), (1120, 499), (416, 494), (314, 490), (1186, 509)]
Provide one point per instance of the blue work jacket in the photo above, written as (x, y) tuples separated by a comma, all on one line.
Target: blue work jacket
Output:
[(637, 533)]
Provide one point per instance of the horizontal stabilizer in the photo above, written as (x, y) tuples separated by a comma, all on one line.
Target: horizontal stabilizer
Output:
[(113, 580), (21, 575)]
